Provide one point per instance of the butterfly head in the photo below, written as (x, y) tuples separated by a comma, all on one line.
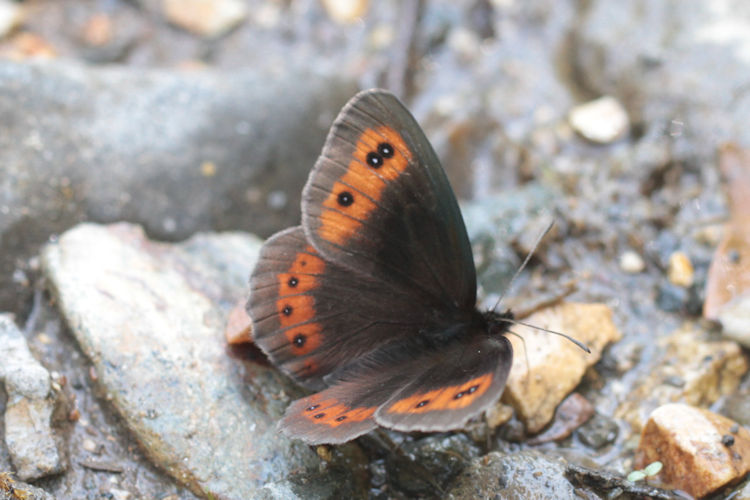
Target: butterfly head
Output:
[(498, 323)]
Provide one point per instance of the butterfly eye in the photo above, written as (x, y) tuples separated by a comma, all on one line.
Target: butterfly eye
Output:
[(345, 198), (374, 160), (385, 150)]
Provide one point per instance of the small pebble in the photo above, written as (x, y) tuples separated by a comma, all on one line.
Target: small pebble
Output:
[(346, 11), (465, 44), (26, 45), (207, 18), (680, 271), (603, 120), (43, 338), (98, 30), (631, 262), (11, 15), (89, 445), (208, 169)]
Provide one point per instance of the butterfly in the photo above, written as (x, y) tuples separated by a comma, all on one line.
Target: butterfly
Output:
[(371, 301)]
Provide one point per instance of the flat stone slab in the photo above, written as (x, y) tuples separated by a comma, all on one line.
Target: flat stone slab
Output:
[(150, 316)]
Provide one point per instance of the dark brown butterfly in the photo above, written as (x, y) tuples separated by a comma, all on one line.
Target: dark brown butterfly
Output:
[(371, 301)]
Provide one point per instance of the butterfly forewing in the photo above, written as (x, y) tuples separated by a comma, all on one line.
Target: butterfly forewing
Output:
[(378, 202)]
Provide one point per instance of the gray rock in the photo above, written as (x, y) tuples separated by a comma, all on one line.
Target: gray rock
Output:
[(150, 317), (29, 436), (524, 475), (175, 152)]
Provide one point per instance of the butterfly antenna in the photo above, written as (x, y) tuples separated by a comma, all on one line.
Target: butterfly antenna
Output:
[(526, 358), (568, 337), (524, 263)]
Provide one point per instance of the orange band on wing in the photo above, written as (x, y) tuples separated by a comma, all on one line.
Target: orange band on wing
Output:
[(447, 398), (357, 192), (332, 413)]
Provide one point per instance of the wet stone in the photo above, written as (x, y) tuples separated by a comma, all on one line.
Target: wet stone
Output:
[(29, 435), (516, 476), (151, 319), (705, 369), (598, 432), (429, 462), (676, 298)]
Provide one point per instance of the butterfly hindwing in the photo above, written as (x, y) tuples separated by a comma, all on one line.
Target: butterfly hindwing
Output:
[(403, 389), (342, 412), (456, 384), (378, 203)]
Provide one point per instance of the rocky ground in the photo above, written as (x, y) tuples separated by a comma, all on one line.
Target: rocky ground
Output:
[(147, 146)]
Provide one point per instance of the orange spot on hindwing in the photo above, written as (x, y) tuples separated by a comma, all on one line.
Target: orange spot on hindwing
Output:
[(333, 413), (447, 398), (380, 156)]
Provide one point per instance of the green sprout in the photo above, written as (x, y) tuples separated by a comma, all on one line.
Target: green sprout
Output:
[(650, 470)]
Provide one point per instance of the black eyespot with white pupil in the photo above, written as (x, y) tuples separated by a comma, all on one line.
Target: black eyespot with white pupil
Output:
[(374, 159), (299, 340), (341, 418), (312, 408), (292, 282), (287, 310), (345, 198), (422, 403), (385, 150), (320, 415)]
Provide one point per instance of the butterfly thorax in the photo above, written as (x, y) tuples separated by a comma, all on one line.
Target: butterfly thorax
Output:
[(451, 329)]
